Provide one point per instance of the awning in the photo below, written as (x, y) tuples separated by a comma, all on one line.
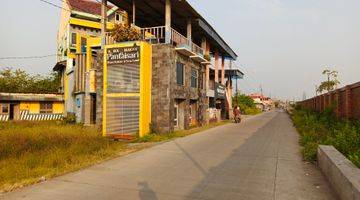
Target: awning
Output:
[(59, 66), (233, 73)]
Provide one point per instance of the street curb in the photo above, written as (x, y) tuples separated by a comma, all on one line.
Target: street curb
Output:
[(342, 174)]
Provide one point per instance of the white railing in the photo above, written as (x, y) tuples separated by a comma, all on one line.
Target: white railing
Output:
[(109, 39), (157, 34), (153, 34)]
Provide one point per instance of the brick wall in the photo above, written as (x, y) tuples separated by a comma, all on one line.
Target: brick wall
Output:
[(346, 102)]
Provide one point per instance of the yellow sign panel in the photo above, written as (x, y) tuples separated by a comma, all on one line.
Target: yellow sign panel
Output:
[(127, 89)]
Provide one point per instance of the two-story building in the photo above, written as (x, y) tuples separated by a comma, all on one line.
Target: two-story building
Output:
[(77, 41), (173, 77)]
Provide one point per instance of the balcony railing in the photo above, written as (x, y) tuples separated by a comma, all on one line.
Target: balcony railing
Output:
[(153, 34), (158, 35)]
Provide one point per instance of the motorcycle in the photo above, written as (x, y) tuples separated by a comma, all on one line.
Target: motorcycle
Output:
[(237, 119)]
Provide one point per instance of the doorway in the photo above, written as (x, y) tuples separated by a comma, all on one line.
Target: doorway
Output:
[(11, 112), (14, 112)]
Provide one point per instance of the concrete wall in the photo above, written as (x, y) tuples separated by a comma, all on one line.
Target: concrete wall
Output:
[(343, 176), (99, 88), (346, 102)]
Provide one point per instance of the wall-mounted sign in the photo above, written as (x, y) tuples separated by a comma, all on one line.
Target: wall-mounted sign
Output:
[(123, 55), (220, 91)]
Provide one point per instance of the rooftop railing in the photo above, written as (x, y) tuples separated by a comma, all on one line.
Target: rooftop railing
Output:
[(157, 35)]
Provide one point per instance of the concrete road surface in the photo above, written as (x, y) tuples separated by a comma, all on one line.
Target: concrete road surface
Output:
[(257, 159)]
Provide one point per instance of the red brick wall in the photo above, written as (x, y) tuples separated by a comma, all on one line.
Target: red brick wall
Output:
[(346, 101), (356, 102)]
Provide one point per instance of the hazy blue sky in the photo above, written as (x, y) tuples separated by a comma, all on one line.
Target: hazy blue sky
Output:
[(283, 45)]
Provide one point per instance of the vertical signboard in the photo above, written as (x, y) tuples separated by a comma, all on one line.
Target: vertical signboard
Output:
[(220, 91), (123, 92)]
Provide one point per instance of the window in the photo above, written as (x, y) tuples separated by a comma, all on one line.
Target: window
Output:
[(4, 108), (46, 107), (118, 18), (83, 45), (176, 115), (194, 78), (180, 73), (73, 38)]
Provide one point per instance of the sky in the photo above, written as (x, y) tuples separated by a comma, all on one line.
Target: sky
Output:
[(283, 45)]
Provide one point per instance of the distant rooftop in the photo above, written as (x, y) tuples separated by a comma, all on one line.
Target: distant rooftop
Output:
[(87, 6), (30, 97)]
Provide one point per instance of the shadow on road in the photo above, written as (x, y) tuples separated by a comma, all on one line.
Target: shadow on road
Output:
[(250, 171), (145, 192)]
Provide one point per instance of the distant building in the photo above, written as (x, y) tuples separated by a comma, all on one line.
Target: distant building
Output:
[(32, 107), (262, 102)]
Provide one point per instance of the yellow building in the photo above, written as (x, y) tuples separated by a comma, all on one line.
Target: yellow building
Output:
[(33, 107), (77, 41)]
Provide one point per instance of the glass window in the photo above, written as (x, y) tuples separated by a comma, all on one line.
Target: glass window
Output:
[(83, 41), (118, 17), (73, 38), (46, 107), (4, 108), (83, 45), (180, 73), (194, 78)]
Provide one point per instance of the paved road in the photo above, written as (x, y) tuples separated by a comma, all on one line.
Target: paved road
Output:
[(258, 159)]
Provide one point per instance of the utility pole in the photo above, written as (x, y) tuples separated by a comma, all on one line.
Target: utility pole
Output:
[(236, 87), (103, 23)]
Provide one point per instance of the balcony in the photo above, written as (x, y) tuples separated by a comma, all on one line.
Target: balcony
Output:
[(157, 35)]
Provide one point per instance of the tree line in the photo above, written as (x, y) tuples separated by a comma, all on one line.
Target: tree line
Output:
[(19, 81)]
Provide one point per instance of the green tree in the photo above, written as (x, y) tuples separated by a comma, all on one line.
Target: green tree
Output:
[(19, 81), (246, 104), (331, 82), (242, 100)]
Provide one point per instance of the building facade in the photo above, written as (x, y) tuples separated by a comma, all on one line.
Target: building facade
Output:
[(77, 43), (187, 78), (31, 107)]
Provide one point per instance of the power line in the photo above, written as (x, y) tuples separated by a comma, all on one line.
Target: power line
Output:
[(60, 7), (27, 57), (50, 3), (64, 1)]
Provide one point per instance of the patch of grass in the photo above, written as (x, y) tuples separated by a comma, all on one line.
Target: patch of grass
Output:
[(252, 111), (324, 128), (31, 151), (154, 137)]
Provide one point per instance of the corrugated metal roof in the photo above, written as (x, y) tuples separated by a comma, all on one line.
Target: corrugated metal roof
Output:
[(30, 97)]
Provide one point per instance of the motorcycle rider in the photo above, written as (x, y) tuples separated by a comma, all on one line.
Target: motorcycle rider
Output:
[(237, 114)]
